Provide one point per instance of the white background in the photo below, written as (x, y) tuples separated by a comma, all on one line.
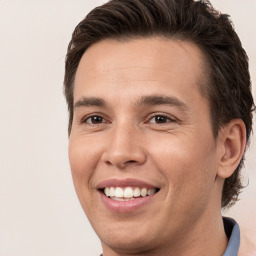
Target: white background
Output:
[(39, 212)]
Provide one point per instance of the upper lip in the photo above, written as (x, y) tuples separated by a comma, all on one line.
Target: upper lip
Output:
[(128, 182)]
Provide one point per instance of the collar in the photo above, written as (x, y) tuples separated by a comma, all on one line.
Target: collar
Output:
[(233, 233)]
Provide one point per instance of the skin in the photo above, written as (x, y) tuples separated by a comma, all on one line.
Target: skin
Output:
[(178, 155)]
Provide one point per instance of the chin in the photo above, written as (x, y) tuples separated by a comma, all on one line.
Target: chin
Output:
[(127, 239), (127, 243)]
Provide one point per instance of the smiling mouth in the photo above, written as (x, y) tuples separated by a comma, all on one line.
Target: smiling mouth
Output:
[(128, 193)]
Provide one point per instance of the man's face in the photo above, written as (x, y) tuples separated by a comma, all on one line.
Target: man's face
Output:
[(142, 125)]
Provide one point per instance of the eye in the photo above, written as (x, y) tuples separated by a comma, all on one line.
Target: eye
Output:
[(160, 119), (94, 120)]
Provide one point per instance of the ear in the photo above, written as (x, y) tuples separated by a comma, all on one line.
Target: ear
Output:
[(232, 142)]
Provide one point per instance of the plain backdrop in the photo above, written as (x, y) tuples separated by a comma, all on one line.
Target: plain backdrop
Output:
[(39, 212)]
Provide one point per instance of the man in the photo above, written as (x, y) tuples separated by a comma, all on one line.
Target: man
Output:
[(160, 108)]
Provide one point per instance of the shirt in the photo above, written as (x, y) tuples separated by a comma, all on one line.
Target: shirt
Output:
[(233, 233)]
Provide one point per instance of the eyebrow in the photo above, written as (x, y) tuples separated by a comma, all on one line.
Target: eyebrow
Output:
[(151, 100), (89, 101)]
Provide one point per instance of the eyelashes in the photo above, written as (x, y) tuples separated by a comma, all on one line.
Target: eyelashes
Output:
[(161, 119), (94, 120), (154, 118)]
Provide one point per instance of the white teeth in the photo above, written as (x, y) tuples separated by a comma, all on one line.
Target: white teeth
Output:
[(112, 191), (136, 192), (119, 192), (122, 199), (151, 191), (143, 192), (107, 191), (127, 193)]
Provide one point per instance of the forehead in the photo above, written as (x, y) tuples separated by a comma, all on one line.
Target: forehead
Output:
[(160, 63)]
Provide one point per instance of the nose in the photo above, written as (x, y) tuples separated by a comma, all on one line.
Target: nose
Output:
[(124, 147)]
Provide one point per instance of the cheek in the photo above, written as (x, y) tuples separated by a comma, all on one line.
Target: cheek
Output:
[(186, 164), (83, 161), (83, 155)]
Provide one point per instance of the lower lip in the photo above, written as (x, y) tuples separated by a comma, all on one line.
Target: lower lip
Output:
[(126, 206)]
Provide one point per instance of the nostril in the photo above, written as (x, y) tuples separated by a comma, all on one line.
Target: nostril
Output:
[(131, 161), (108, 163), (121, 164)]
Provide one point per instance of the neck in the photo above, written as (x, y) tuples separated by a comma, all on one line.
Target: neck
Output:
[(206, 237)]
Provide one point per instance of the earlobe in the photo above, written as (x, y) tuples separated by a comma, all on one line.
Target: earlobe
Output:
[(233, 142)]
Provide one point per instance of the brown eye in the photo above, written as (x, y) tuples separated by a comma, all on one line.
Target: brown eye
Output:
[(94, 120), (160, 119)]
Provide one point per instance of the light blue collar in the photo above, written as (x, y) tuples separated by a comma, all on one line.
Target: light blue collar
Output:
[(233, 232)]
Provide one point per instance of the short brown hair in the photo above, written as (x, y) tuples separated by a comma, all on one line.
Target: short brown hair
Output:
[(229, 87)]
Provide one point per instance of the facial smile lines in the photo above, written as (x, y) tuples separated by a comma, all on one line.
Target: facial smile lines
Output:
[(128, 193)]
